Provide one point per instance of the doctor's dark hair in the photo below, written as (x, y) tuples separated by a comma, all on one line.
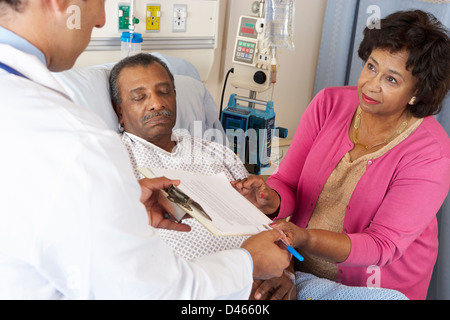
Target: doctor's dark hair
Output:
[(427, 42), (17, 5), (141, 59)]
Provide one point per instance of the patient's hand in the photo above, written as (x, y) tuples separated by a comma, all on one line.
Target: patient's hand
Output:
[(157, 205), (255, 189), (282, 288)]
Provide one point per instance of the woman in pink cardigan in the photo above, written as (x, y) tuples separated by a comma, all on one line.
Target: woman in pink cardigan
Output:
[(369, 166)]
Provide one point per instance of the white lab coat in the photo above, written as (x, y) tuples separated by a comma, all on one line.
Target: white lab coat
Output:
[(71, 224)]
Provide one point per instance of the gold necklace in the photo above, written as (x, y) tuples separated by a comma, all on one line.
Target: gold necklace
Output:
[(386, 141)]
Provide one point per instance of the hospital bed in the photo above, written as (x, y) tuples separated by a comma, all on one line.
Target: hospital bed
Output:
[(196, 110)]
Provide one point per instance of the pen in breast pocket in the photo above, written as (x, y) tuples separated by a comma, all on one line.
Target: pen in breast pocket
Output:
[(289, 248)]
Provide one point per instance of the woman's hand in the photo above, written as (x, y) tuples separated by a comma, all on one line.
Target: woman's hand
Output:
[(296, 236), (332, 246), (255, 189)]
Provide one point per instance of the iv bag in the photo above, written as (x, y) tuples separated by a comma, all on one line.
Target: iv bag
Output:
[(279, 30)]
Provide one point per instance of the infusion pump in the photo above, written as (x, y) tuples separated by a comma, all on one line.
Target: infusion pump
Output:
[(253, 62)]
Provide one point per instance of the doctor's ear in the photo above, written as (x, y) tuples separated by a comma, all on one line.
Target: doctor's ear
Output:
[(58, 6)]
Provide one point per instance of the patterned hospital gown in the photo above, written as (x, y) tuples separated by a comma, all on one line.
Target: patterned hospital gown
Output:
[(192, 155)]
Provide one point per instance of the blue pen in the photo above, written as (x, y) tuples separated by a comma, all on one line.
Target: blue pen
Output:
[(295, 253), (288, 247)]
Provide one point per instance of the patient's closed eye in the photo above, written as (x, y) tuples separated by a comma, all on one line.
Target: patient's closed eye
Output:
[(138, 97), (164, 89)]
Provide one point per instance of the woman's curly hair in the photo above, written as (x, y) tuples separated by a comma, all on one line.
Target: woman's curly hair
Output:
[(427, 42)]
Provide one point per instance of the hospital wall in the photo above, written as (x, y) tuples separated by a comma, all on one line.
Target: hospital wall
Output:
[(295, 80), (208, 42), (157, 23)]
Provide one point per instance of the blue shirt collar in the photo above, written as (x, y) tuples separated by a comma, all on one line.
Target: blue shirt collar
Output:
[(9, 37)]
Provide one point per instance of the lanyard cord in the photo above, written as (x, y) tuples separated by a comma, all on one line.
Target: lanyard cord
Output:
[(11, 70), (17, 73)]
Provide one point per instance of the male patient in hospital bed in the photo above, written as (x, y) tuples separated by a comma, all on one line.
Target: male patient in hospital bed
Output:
[(144, 99)]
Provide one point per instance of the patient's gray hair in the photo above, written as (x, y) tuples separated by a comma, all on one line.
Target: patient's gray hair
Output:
[(141, 59)]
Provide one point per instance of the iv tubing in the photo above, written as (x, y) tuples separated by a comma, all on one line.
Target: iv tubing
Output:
[(131, 18), (261, 8), (273, 66)]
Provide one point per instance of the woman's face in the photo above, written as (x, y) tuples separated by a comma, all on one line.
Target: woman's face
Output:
[(385, 86)]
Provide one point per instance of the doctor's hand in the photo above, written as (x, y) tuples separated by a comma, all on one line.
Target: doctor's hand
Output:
[(269, 260), (157, 204), (255, 189)]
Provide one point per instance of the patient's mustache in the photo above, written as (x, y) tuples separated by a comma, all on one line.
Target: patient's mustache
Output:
[(163, 112)]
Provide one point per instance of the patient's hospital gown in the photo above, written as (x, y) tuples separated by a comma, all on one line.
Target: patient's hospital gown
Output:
[(191, 155)]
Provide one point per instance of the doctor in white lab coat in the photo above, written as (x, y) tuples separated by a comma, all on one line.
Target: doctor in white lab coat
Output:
[(72, 225)]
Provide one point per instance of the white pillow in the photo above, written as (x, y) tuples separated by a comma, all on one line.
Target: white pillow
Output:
[(89, 88), (196, 109)]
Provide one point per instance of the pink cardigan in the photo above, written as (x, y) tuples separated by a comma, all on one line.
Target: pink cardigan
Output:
[(391, 216)]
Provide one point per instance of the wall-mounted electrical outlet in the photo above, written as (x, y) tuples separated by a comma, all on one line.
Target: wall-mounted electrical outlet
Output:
[(179, 18)]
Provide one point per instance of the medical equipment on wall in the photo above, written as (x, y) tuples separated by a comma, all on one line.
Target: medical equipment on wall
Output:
[(250, 130), (131, 42), (185, 29)]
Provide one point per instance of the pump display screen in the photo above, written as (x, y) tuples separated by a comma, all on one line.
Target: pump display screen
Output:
[(247, 28), (246, 43), (247, 31)]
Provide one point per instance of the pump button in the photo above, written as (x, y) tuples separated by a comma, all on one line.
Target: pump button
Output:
[(260, 77)]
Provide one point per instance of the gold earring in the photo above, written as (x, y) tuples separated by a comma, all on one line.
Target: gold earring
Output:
[(413, 101)]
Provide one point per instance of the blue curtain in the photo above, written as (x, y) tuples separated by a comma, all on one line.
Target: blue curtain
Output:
[(340, 65), (440, 282)]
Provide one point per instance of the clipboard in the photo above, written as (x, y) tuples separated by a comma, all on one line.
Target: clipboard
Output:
[(183, 204), (178, 197), (186, 205)]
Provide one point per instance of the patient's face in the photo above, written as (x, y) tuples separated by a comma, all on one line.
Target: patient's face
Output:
[(148, 107)]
